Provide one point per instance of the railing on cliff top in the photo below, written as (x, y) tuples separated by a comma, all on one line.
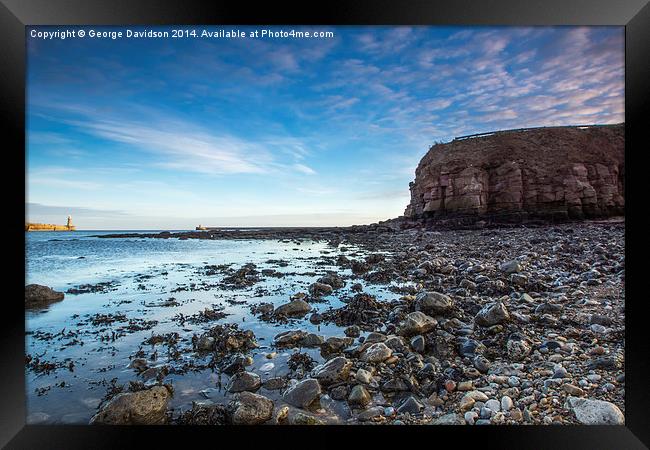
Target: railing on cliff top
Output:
[(470, 136)]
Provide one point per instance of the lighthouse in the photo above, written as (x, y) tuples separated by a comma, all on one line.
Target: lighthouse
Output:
[(69, 223)]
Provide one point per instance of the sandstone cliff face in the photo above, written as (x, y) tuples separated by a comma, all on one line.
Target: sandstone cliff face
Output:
[(547, 173)]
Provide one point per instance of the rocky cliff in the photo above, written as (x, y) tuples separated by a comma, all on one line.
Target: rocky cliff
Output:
[(541, 173)]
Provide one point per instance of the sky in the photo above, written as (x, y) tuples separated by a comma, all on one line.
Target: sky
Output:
[(173, 133)]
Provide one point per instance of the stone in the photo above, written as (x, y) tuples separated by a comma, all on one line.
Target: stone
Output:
[(251, 409), (146, 407), (359, 396), (510, 267), (411, 405), (370, 413), (481, 363), (333, 280), (449, 419), (303, 393), (275, 383), (306, 419), (494, 405), (418, 344), (312, 340), (332, 371), (339, 393), (289, 338), (294, 307), (506, 403), (595, 412), (417, 323), (352, 331), (433, 303), (244, 381), (573, 390), (376, 353), (320, 289), (363, 376), (517, 348), (38, 296), (492, 314)]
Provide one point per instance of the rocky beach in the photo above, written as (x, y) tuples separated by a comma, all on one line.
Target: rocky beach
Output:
[(497, 298), (362, 325)]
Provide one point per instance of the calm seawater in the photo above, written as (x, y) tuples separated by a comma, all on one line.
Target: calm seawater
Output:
[(144, 272)]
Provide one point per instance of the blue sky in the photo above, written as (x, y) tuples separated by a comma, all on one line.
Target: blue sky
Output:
[(170, 133)]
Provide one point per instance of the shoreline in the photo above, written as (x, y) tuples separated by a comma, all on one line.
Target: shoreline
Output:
[(484, 326)]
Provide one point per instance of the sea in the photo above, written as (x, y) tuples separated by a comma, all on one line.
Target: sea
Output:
[(82, 338)]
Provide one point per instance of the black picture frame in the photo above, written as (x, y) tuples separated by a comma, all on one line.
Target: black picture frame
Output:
[(16, 14)]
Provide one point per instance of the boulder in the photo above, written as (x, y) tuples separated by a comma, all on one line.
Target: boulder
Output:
[(302, 393), (293, 308), (595, 412), (147, 407), (38, 296), (244, 381), (335, 370), (251, 409), (417, 323), (492, 314), (376, 353), (433, 303)]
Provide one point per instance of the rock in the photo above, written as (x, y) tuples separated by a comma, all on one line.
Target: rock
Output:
[(506, 403), (333, 280), (510, 267), (251, 409), (464, 386), (417, 323), (303, 393), (376, 353), (235, 363), (517, 348), (493, 405), (205, 343), (449, 419), (560, 372), (363, 376), (38, 296), (147, 407), (394, 385), (335, 344), (353, 331), (306, 419), (244, 381), (595, 412), (481, 363), (315, 318), (418, 344), (275, 383), (433, 303), (312, 340), (289, 338), (335, 370), (294, 307), (370, 413), (470, 417), (573, 390), (517, 174), (411, 405), (282, 414), (359, 396), (469, 347), (320, 289), (492, 314), (339, 393)]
